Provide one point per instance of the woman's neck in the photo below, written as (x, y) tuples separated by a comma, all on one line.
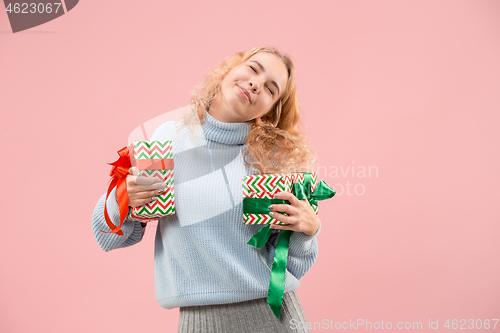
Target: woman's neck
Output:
[(221, 110)]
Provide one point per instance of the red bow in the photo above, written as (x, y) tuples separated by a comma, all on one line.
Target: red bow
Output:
[(118, 173)]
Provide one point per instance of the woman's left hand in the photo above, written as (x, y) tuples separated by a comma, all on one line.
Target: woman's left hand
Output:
[(301, 217)]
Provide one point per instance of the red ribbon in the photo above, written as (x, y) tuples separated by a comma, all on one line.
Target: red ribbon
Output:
[(154, 164), (118, 173)]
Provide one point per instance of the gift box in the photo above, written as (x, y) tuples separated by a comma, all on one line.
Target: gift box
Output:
[(261, 189), (258, 192), (264, 187), (154, 159)]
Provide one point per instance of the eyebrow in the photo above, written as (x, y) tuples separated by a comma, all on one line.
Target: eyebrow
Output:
[(262, 69)]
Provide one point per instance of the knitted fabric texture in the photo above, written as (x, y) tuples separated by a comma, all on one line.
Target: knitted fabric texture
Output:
[(201, 253)]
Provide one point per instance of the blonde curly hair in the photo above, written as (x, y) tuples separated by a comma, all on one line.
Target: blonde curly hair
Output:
[(276, 145)]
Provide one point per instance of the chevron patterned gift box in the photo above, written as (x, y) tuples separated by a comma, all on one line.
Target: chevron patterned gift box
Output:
[(264, 187), (155, 159)]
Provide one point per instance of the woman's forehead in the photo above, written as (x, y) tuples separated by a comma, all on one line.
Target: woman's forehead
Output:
[(272, 63), (267, 57)]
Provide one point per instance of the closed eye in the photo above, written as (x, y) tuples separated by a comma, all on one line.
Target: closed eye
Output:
[(270, 90)]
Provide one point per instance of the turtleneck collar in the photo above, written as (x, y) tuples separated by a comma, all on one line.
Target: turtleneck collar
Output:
[(228, 133)]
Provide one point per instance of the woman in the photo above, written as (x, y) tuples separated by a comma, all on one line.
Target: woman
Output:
[(243, 120)]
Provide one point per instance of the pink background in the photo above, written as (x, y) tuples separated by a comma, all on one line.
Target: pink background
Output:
[(409, 88)]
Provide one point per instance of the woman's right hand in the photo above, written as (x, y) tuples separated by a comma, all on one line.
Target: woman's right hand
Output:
[(142, 190)]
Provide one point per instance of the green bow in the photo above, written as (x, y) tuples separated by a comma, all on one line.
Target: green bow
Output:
[(303, 191), (259, 206)]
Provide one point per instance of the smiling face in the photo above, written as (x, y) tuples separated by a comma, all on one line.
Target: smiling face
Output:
[(250, 90)]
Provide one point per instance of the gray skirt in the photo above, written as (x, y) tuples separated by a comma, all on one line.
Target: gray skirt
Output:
[(254, 316)]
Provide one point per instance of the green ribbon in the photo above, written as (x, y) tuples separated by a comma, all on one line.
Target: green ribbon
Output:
[(303, 191), (259, 206)]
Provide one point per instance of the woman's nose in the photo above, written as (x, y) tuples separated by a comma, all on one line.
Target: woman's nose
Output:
[(254, 86)]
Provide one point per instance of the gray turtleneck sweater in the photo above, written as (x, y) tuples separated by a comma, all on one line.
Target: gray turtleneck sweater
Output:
[(201, 253)]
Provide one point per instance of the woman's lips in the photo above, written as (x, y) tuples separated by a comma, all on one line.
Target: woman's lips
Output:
[(245, 94)]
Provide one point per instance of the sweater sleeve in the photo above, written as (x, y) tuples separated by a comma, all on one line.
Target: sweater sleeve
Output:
[(133, 231), (302, 252)]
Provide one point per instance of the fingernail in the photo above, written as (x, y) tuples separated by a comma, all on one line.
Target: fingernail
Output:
[(271, 213), (162, 191), (154, 198), (270, 207), (163, 186)]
